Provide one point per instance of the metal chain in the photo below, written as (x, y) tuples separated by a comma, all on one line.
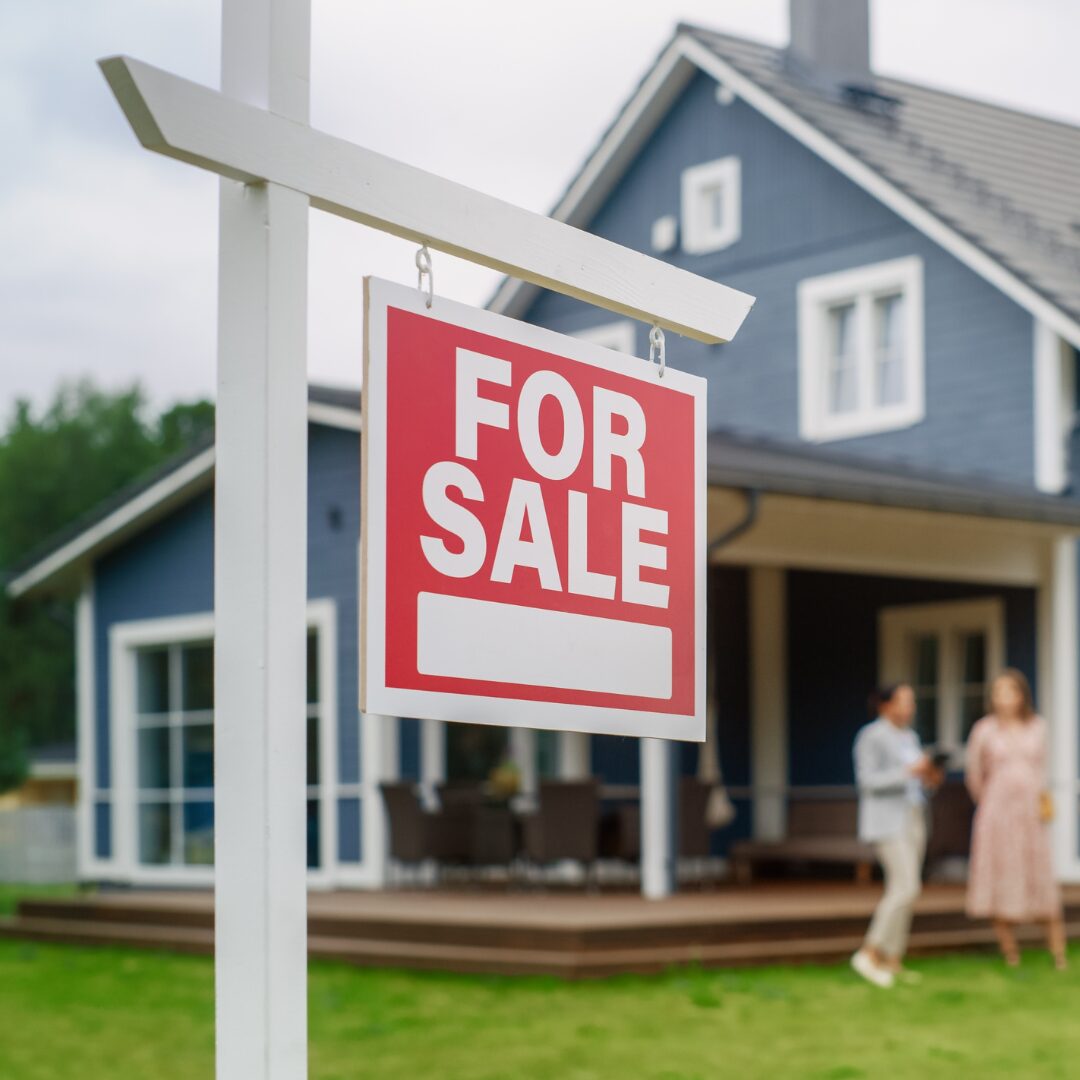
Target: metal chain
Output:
[(656, 348), (423, 269)]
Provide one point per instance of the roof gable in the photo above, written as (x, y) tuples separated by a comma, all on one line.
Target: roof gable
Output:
[(152, 497), (994, 187)]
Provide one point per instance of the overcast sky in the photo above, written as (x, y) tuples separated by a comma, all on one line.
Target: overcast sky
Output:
[(108, 252)]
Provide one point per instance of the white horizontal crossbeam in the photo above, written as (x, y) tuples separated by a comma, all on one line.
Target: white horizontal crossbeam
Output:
[(193, 123)]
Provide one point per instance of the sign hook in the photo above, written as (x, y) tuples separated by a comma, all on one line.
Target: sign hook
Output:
[(423, 269), (656, 348)]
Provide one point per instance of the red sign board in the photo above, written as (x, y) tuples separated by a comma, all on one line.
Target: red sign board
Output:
[(533, 539)]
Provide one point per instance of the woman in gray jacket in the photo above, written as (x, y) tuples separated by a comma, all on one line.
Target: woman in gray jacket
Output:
[(892, 772)]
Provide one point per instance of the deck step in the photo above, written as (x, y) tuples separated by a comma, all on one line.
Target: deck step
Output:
[(480, 959), (91, 932)]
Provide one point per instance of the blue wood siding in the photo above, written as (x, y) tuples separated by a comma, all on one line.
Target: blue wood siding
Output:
[(802, 218), (167, 570), (833, 668)]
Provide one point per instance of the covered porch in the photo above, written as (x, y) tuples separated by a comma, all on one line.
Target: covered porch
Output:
[(828, 574)]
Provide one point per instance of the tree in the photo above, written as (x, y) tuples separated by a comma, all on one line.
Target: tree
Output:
[(55, 467)]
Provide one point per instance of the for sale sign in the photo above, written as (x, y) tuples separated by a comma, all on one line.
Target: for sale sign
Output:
[(533, 526)]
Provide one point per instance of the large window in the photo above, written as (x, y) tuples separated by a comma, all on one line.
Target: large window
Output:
[(174, 753), (949, 653), (861, 351)]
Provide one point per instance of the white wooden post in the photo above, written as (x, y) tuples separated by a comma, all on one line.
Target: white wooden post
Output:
[(260, 573)]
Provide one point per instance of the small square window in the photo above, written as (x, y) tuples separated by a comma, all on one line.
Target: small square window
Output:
[(711, 206), (861, 351)]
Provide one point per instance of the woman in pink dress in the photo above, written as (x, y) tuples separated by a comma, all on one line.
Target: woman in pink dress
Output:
[(1011, 878)]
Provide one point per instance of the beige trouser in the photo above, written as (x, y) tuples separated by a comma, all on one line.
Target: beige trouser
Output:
[(901, 858)]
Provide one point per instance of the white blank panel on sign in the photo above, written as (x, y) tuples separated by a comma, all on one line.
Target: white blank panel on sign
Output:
[(476, 639)]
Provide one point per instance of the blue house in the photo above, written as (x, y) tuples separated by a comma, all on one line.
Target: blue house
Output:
[(893, 492)]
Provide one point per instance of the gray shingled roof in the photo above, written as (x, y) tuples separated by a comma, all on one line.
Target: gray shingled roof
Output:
[(771, 466), (1008, 181)]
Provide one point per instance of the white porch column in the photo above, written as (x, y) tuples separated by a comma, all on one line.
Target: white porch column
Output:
[(768, 701), (378, 763), (523, 754), (260, 573), (657, 851), (1058, 651), (574, 763), (432, 758)]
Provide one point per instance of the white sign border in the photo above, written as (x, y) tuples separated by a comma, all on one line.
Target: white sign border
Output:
[(375, 696)]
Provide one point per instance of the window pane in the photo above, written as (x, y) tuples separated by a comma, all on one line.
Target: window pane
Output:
[(974, 653), (926, 718), (889, 349), (312, 669), (715, 198), (197, 662), (152, 679), (926, 659), (842, 387), (155, 833), (199, 833), (312, 751), (154, 757), (198, 755), (313, 834), (973, 706)]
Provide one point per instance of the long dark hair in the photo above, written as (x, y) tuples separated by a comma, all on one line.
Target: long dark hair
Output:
[(882, 695)]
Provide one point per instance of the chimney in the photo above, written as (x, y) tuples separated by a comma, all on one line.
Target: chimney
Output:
[(830, 43)]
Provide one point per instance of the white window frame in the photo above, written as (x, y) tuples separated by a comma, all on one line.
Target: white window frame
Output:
[(860, 286), (898, 625), (700, 235), (619, 336), (125, 639)]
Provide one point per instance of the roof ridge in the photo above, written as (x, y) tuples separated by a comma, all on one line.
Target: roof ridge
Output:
[(928, 87)]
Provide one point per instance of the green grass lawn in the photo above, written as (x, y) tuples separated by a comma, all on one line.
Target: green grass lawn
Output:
[(97, 1013)]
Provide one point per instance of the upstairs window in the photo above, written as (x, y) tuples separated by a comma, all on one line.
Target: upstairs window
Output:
[(711, 206), (861, 351)]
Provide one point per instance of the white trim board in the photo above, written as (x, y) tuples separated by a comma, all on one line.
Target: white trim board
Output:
[(187, 479), (651, 102)]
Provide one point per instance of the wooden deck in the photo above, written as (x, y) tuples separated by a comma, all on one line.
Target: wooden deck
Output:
[(563, 934)]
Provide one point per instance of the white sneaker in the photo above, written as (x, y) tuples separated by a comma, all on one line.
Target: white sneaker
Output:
[(862, 965)]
